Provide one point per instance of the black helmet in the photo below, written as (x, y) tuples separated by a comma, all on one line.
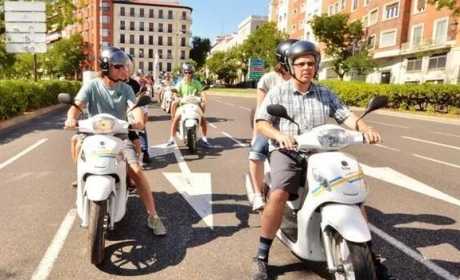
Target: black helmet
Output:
[(112, 56), (187, 67), (281, 49), (301, 48)]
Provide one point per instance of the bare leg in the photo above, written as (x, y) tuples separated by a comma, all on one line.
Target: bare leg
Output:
[(273, 213), (143, 189), (256, 172)]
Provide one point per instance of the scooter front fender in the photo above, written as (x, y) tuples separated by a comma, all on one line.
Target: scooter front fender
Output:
[(99, 188), (347, 220), (189, 123)]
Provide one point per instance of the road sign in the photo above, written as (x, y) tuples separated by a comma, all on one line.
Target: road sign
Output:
[(25, 26), (256, 68)]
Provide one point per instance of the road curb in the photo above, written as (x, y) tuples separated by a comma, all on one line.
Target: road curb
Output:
[(28, 116)]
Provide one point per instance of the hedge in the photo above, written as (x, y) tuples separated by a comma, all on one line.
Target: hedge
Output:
[(19, 96), (426, 97)]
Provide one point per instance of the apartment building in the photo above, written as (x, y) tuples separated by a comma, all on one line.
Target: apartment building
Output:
[(411, 41), (155, 32)]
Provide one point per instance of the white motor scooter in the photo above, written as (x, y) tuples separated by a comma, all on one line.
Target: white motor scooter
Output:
[(101, 175), (191, 114), (325, 222)]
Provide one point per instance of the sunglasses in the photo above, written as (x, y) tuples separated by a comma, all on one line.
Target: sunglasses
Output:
[(119, 66), (303, 64), (188, 72)]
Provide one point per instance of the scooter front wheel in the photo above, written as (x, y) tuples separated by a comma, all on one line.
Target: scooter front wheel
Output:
[(353, 260), (96, 231), (191, 139)]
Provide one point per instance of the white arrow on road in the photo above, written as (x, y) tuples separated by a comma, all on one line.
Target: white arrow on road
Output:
[(396, 178), (194, 187)]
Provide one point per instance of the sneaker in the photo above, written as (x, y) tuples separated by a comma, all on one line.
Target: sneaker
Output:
[(205, 144), (259, 269), (170, 143), (258, 202), (155, 223), (74, 184)]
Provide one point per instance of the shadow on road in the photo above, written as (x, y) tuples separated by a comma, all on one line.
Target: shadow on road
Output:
[(138, 252), (394, 224)]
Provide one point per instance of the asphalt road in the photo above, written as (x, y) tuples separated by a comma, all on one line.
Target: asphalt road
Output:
[(413, 205)]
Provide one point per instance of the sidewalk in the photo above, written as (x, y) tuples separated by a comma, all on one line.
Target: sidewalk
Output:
[(28, 116)]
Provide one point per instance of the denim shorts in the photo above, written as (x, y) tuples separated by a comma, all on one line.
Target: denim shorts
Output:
[(259, 148)]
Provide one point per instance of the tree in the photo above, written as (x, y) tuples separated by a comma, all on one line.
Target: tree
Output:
[(262, 43), (200, 49), (59, 14), (223, 66), (344, 43), (65, 56)]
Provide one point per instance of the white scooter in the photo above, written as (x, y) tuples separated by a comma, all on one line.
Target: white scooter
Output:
[(325, 222), (101, 175), (191, 114)]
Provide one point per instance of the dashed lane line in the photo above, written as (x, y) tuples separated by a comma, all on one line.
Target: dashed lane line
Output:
[(30, 148), (235, 140), (431, 142), (437, 161)]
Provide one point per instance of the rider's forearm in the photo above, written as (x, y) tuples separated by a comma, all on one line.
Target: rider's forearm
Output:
[(351, 123), (266, 129), (260, 96), (73, 112), (138, 115)]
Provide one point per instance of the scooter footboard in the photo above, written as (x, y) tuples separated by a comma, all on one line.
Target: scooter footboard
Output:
[(346, 219), (99, 188)]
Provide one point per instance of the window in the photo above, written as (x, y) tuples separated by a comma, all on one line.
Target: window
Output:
[(105, 32), (131, 39), (387, 39), (141, 52), (150, 66), (141, 39), (150, 40), (160, 66), (141, 26), (160, 40), (160, 13), (414, 64), (354, 5), (150, 53), (141, 65), (141, 12), (122, 11), (392, 11), (184, 28), (437, 62), (105, 19), (330, 10), (184, 15), (170, 28), (182, 54), (371, 41), (419, 6), (417, 35), (366, 2), (151, 26), (160, 53), (122, 38), (182, 42), (170, 14), (122, 25), (169, 55), (365, 21), (438, 82), (151, 13), (373, 16), (131, 51), (440, 31), (385, 77), (169, 41), (160, 27), (131, 12), (131, 25), (168, 67)]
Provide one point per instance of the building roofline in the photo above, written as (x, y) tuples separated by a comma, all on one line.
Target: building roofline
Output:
[(152, 4)]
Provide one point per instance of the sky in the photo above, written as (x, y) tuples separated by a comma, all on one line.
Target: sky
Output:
[(211, 18)]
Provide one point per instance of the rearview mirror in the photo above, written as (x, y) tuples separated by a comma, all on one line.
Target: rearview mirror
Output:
[(65, 98)]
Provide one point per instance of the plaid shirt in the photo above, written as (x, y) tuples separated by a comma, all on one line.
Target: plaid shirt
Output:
[(309, 110)]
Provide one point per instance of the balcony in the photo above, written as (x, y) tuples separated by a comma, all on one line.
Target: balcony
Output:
[(426, 45)]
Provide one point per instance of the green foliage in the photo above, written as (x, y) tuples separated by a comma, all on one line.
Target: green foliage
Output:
[(18, 96), (199, 51), (59, 14), (440, 98), (223, 66), (64, 56), (449, 4), (344, 43)]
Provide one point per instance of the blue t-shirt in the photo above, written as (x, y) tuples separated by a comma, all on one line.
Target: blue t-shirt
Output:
[(101, 99)]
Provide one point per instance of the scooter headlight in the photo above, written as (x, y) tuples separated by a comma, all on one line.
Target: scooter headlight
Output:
[(334, 138), (103, 125)]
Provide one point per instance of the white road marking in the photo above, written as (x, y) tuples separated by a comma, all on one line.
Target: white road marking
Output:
[(212, 125), (196, 188), (235, 140), (446, 134), (47, 262), (431, 142), (245, 108), (437, 161), (30, 148), (388, 148), (387, 124), (394, 177), (413, 254)]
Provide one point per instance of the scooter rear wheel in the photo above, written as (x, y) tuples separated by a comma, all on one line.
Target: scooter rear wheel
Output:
[(191, 139), (96, 231), (353, 260)]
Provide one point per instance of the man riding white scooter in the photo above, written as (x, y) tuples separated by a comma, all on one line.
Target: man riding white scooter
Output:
[(187, 87), (109, 94), (309, 105)]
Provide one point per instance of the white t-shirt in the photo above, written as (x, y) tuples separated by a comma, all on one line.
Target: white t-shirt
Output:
[(269, 80)]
